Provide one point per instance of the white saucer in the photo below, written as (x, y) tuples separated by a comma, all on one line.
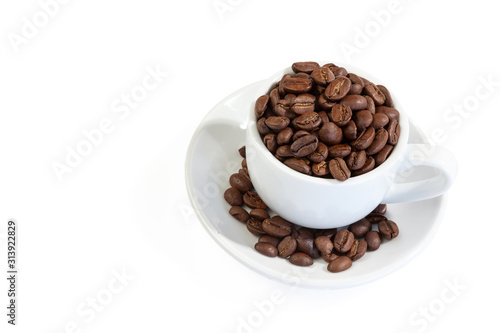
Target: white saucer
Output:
[(213, 156)]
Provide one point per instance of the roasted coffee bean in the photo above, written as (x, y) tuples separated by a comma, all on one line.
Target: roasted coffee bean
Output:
[(277, 123), (340, 150), (382, 155), (239, 213), (242, 152), (341, 114), (287, 247), (244, 173), (284, 151), (370, 104), (280, 89), (393, 131), (356, 89), (262, 127), (360, 228), (324, 117), (299, 134), (322, 75), (320, 169), (356, 160), (381, 137), (340, 71), (363, 119), (324, 244), (375, 217), (329, 257), (274, 96), (298, 164), (343, 241), (302, 75), (296, 85), (356, 79), (255, 227), (240, 182), (284, 136), (324, 103), (303, 103), (338, 88), (389, 112), (365, 139), (304, 67), (339, 264), (339, 169), (277, 226), (357, 250), (350, 130), (373, 240), (379, 120), (355, 102), (261, 105), (325, 232), (388, 229), (269, 239), (374, 92), (369, 166), (308, 121), (233, 197), (388, 99), (283, 107), (381, 209), (320, 154), (244, 163), (330, 134), (252, 200), (305, 242), (300, 259), (259, 214), (266, 249), (304, 146), (270, 142)]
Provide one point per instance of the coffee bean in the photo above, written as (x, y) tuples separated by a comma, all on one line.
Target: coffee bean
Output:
[(274, 95), (296, 85), (356, 89), (269, 239), (357, 250), (320, 154), (365, 139), (367, 167), (356, 160), (326, 232), (340, 71), (259, 214), (240, 182), (277, 123), (363, 119), (300, 259), (303, 103), (330, 134), (284, 151), (374, 92), (324, 117), (343, 240), (350, 130), (239, 213), (304, 67), (242, 152), (356, 79), (393, 131), (370, 104), (324, 244), (233, 197), (305, 242), (255, 227), (244, 173), (252, 200), (308, 121), (338, 88), (324, 103), (381, 137), (379, 120), (304, 146), (373, 240), (355, 102), (261, 105), (322, 75), (298, 164), (266, 249), (329, 257), (340, 150), (284, 136), (270, 142), (387, 94), (339, 169), (277, 226), (382, 155), (388, 229), (287, 247), (391, 113), (320, 169), (360, 228), (341, 114), (244, 163), (339, 264), (375, 217), (381, 209), (262, 127)]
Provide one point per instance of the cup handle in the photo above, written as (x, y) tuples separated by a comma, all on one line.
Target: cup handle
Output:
[(433, 156)]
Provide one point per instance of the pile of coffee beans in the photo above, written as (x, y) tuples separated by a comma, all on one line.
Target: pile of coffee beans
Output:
[(281, 238), (326, 122)]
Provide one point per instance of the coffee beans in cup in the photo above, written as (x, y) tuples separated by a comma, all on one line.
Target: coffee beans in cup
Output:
[(326, 122)]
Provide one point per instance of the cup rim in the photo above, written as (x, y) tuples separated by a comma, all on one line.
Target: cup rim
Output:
[(393, 158)]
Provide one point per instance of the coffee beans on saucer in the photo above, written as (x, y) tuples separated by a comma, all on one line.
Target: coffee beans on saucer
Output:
[(278, 237), (326, 122)]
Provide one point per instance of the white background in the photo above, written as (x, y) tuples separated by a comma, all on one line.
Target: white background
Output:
[(124, 208)]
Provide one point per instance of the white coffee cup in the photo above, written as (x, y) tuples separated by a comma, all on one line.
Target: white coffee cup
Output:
[(327, 203)]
